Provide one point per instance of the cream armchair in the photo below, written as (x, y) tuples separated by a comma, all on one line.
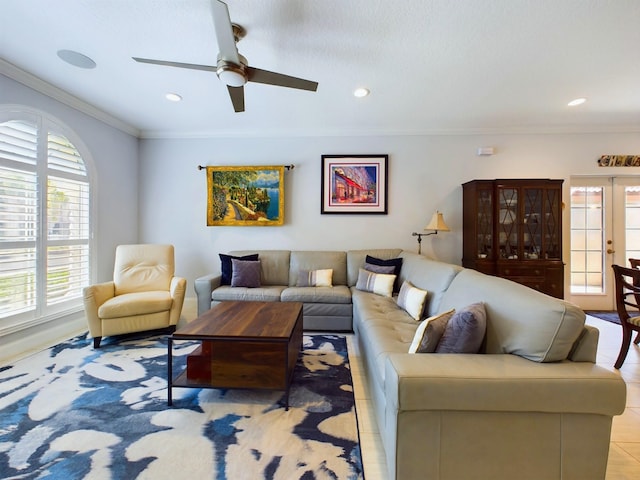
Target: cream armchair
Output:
[(144, 294)]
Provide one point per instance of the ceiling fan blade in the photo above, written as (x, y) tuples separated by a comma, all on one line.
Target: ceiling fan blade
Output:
[(258, 75), (237, 98), (224, 32), (191, 66)]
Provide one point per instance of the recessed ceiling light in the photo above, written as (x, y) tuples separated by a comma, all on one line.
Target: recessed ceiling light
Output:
[(173, 97), (576, 102), (361, 92), (76, 59)]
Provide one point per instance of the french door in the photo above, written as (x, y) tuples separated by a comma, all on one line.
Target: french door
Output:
[(605, 230)]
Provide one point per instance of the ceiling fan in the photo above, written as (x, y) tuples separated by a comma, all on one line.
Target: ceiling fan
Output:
[(232, 68)]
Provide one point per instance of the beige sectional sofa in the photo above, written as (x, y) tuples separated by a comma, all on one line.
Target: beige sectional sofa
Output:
[(533, 405)]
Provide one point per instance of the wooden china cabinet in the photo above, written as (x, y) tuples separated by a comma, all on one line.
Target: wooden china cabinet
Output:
[(512, 228)]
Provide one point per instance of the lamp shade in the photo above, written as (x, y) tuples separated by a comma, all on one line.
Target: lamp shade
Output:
[(437, 223)]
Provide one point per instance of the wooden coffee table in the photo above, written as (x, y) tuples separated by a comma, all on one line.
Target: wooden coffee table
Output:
[(243, 345)]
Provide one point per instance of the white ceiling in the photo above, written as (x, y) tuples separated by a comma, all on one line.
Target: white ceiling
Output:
[(433, 66)]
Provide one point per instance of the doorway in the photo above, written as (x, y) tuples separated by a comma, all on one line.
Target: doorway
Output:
[(604, 230)]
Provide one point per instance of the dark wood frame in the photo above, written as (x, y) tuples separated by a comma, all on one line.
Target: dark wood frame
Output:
[(333, 167)]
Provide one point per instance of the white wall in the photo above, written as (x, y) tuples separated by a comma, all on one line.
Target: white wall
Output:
[(425, 174)]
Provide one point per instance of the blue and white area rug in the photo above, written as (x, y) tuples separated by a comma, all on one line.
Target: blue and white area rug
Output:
[(73, 412)]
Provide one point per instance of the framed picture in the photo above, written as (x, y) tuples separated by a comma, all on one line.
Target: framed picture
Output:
[(354, 184), (245, 196)]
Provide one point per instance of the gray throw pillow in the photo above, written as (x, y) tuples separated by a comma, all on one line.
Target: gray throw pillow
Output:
[(245, 273), (465, 331), (388, 269)]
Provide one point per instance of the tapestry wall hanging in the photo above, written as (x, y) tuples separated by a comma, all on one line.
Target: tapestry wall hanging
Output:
[(354, 184), (245, 196)]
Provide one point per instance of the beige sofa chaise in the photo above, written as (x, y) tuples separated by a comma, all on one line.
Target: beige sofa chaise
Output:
[(532, 405)]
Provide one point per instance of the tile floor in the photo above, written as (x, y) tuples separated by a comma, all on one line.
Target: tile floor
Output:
[(624, 453)]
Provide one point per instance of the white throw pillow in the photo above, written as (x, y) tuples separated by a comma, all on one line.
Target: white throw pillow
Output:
[(315, 278), (429, 332), (379, 283), (412, 300)]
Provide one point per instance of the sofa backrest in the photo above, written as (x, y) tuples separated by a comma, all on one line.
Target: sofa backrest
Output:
[(520, 320), (430, 275), (274, 265), (318, 260), (356, 260)]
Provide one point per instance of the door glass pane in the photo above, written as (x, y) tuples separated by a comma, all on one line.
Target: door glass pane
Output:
[(587, 256), (632, 221)]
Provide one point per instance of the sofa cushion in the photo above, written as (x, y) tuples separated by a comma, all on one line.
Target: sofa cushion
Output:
[(379, 283), (315, 278), (226, 267), (245, 273), (270, 293), (429, 333), (430, 275), (412, 299), (464, 332), (317, 260), (520, 320), (336, 294), (274, 268)]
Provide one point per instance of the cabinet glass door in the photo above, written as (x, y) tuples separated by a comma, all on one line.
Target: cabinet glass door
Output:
[(533, 220), (508, 223), (485, 223)]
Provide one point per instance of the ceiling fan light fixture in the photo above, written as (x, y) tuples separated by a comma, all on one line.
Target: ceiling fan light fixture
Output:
[(361, 92), (231, 74)]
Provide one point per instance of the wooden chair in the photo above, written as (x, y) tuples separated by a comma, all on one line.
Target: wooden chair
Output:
[(635, 262), (627, 296)]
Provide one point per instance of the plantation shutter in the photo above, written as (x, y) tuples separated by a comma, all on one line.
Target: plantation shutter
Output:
[(44, 222), (18, 217), (67, 221)]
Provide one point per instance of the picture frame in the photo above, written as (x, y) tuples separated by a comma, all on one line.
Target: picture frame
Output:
[(245, 196), (354, 184)]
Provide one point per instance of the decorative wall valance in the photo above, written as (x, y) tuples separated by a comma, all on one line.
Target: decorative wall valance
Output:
[(619, 161)]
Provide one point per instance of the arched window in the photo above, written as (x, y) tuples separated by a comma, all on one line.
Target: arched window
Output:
[(45, 221)]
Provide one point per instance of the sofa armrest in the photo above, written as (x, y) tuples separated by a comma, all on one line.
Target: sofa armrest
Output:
[(585, 348), (93, 296), (500, 383), (204, 286)]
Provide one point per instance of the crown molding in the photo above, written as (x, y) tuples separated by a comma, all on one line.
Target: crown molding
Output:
[(384, 132), (27, 79)]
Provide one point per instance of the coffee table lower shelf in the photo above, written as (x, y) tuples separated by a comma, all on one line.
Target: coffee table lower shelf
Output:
[(238, 365)]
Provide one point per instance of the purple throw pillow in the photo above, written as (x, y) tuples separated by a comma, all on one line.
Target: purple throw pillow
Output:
[(226, 267), (246, 273), (465, 331)]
